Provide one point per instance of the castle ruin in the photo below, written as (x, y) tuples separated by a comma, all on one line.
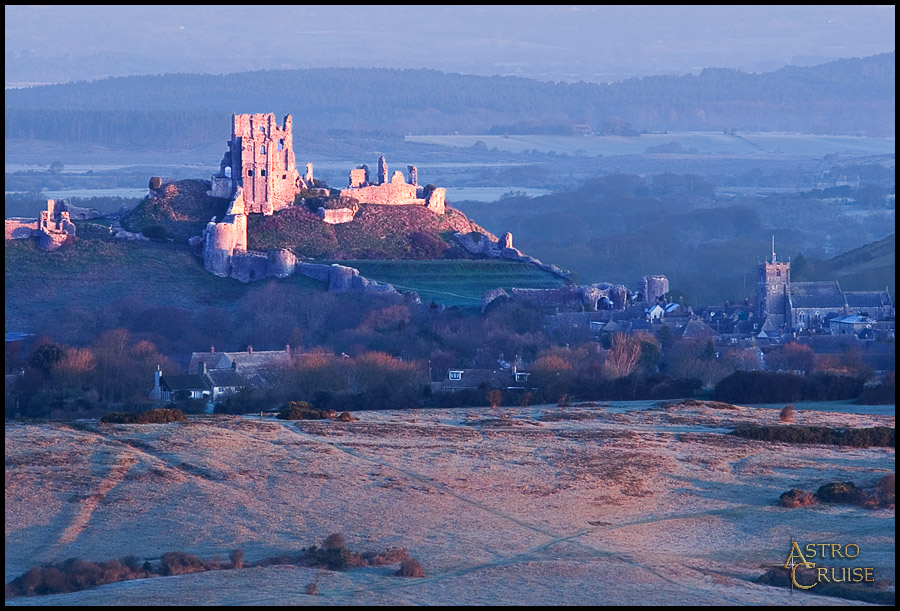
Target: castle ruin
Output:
[(260, 158), (54, 226), (394, 192)]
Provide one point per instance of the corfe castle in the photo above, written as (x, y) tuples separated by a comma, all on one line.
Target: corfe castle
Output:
[(258, 175)]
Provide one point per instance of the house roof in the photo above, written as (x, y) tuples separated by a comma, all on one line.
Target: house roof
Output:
[(228, 378), (697, 328), (816, 295), (867, 299), (212, 360), (251, 361), (187, 382), (850, 319)]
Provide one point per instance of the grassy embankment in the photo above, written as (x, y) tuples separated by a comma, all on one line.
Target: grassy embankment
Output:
[(93, 273), (455, 282)]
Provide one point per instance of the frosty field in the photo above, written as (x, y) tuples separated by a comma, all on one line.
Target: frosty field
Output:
[(587, 505)]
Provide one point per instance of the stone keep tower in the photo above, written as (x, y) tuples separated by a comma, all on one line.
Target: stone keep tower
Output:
[(260, 158), (773, 289)]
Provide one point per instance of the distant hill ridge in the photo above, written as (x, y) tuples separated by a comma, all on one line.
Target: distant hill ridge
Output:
[(848, 96), (868, 267)]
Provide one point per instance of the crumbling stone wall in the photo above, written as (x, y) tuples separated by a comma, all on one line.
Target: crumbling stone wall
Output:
[(397, 192), (388, 194), (282, 263), (480, 244), (436, 201), (249, 265), (490, 296), (222, 239), (382, 171), (653, 287), (54, 226), (336, 216), (573, 297), (260, 158)]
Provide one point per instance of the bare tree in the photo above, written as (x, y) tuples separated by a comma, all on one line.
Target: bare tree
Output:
[(624, 355)]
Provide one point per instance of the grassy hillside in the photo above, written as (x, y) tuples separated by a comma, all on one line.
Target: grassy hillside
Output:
[(93, 273), (377, 232), (456, 282), (184, 211), (866, 268)]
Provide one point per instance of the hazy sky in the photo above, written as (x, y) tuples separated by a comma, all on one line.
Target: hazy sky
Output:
[(595, 43)]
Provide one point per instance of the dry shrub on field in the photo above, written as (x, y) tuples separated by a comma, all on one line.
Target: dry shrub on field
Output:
[(392, 555), (334, 540), (151, 416), (72, 575), (179, 563), (237, 558), (787, 414), (410, 568)]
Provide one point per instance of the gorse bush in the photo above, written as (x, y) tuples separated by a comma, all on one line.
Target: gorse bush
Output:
[(878, 436), (152, 416), (301, 410), (72, 575), (410, 568)]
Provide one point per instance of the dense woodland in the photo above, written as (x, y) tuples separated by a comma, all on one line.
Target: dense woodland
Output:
[(849, 96)]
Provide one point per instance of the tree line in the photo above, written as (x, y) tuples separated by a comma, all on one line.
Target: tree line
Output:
[(844, 96)]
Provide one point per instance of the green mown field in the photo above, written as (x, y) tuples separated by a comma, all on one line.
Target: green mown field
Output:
[(455, 281)]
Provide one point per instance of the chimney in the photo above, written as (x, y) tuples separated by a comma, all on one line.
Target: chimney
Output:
[(212, 349), (287, 348), (250, 349)]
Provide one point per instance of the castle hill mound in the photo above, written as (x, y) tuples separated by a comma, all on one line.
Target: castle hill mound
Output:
[(182, 207), (624, 503), (376, 232)]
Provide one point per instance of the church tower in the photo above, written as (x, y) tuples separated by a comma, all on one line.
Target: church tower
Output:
[(773, 289)]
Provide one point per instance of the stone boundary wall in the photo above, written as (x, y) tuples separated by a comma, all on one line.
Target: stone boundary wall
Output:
[(478, 243), (590, 297)]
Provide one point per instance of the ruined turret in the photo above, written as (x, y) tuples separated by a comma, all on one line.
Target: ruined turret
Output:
[(260, 158), (54, 226)]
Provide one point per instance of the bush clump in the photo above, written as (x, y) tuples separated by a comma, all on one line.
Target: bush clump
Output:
[(877, 496), (72, 575), (333, 558), (878, 436), (410, 568), (797, 498), (839, 492), (152, 416), (179, 563), (301, 410), (787, 414)]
